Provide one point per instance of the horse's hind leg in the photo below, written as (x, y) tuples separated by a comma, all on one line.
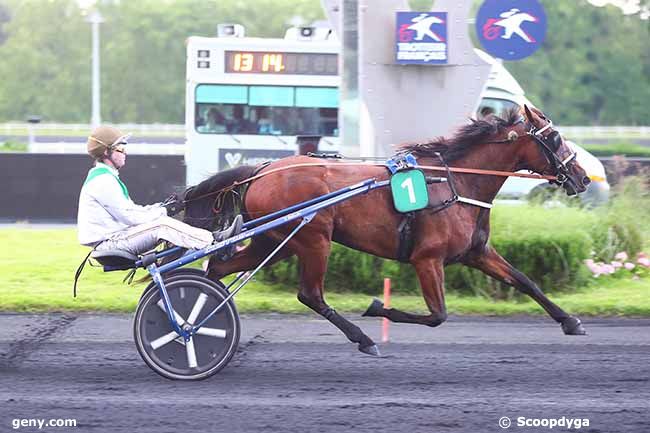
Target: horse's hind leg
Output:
[(313, 265), (431, 276), (491, 263)]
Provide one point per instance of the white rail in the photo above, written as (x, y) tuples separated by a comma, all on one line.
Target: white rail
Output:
[(581, 132), (20, 128), (139, 149)]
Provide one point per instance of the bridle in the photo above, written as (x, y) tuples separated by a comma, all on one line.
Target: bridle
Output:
[(550, 144)]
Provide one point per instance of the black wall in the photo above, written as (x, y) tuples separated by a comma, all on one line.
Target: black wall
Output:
[(45, 187)]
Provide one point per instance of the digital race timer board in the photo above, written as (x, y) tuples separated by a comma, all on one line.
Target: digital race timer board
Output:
[(265, 62)]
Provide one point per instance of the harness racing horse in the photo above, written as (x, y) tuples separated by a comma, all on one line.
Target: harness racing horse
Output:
[(459, 233)]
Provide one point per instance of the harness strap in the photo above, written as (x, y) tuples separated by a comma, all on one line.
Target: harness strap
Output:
[(244, 189), (547, 126), (475, 202), (405, 244), (568, 159), (80, 269), (128, 278)]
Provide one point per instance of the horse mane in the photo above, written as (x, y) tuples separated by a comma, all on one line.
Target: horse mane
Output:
[(465, 137)]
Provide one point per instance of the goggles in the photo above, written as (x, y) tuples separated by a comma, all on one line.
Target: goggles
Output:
[(120, 142), (117, 145)]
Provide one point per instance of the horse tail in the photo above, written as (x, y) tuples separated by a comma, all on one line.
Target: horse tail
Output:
[(219, 182), (214, 202)]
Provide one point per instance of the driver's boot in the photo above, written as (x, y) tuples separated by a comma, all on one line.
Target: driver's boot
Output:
[(233, 230)]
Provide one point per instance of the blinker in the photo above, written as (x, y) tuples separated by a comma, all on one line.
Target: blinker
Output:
[(554, 140)]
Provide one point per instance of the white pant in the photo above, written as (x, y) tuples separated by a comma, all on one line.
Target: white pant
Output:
[(144, 237)]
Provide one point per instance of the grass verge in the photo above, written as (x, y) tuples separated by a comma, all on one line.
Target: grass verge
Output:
[(37, 270), (13, 146)]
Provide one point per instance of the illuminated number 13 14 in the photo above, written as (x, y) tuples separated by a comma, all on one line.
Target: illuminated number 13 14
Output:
[(272, 62), (243, 62)]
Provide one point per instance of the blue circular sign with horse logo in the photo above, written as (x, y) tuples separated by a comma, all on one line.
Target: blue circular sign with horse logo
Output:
[(511, 29)]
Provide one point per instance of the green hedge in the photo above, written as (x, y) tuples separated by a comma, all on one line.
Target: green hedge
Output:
[(548, 245), (611, 149)]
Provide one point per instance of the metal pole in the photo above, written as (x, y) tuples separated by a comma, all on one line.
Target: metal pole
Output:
[(31, 125), (349, 99), (95, 19)]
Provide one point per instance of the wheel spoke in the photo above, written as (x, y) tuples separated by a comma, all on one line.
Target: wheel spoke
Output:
[(211, 332), (196, 309), (177, 316), (185, 352), (191, 354), (161, 341)]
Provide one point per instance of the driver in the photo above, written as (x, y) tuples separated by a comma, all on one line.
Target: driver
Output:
[(109, 220)]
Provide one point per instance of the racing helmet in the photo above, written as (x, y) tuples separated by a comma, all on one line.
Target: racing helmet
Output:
[(105, 138)]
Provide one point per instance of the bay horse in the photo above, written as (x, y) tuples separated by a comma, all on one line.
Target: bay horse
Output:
[(523, 139)]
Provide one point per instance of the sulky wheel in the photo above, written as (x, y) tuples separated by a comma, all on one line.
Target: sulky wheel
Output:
[(186, 272), (192, 298)]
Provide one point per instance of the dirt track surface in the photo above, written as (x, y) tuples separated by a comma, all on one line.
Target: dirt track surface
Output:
[(298, 374)]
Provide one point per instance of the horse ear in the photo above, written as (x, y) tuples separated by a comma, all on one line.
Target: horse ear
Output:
[(529, 114)]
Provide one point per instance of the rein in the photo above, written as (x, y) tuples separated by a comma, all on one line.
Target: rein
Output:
[(357, 164)]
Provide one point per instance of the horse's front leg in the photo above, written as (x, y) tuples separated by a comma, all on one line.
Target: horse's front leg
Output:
[(431, 276), (488, 261)]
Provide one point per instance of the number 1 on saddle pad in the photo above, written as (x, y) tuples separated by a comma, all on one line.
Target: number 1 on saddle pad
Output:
[(409, 188)]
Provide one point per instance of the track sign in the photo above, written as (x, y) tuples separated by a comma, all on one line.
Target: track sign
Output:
[(421, 38), (409, 188), (511, 29)]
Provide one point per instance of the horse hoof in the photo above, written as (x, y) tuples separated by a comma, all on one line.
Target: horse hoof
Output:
[(573, 326), (374, 310), (370, 350)]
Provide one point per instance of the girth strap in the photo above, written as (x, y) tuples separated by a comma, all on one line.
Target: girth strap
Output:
[(406, 243)]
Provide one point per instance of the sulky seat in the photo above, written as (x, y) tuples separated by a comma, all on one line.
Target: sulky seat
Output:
[(114, 260)]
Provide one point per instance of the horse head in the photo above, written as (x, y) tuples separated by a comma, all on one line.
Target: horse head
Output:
[(544, 151)]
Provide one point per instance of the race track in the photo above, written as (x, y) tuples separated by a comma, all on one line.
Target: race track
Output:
[(298, 374)]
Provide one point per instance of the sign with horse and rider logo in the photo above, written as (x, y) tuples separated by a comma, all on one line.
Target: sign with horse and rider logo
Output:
[(421, 38), (511, 29)]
